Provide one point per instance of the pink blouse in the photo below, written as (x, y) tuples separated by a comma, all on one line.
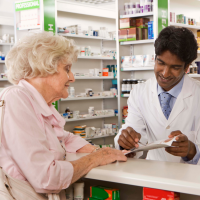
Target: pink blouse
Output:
[(32, 133)]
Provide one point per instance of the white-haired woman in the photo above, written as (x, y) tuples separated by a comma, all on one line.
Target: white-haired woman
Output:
[(34, 143)]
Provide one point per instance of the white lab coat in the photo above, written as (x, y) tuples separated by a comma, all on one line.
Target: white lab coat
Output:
[(146, 117)]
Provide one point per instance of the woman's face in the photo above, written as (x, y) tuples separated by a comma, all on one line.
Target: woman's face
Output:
[(59, 82)]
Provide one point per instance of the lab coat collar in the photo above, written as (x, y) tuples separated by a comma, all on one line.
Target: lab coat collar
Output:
[(44, 109)]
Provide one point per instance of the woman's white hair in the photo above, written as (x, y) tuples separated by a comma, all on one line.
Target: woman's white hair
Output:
[(37, 55)]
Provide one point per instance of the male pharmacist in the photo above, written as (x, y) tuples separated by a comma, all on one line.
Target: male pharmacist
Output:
[(167, 105)]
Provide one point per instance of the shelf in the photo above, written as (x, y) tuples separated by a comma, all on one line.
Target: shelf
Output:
[(3, 79), (95, 57), (136, 69), (138, 42), (96, 117), (87, 98), (198, 51), (86, 78), (7, 44), (125, 95), (2, 61), (103, 136), (184, 25), (194, 75), (137, 15), (85, 37)]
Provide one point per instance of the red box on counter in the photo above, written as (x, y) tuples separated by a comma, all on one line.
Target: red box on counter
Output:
[(155, 194)]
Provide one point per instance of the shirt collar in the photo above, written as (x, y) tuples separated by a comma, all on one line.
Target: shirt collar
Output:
[(175, 91), (44, 108)]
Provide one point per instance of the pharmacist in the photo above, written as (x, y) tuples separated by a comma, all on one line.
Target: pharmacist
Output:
[(167, 105)]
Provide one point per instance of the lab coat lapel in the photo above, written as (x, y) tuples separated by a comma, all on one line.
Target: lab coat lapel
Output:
[(180, 105), (155, 101)]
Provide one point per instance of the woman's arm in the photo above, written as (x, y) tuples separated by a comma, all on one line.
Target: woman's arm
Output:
[(102, 157)]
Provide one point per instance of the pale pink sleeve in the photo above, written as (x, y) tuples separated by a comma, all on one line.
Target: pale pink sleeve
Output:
[(73, 142), (24, 138)]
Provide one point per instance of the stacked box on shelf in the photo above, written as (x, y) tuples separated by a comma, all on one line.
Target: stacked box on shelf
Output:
[(133, 29)]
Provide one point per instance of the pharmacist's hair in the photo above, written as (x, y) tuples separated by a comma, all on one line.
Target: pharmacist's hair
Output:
[(37, 55), (179, 41)]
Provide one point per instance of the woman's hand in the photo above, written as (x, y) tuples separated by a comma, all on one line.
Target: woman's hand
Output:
[(108, 155)]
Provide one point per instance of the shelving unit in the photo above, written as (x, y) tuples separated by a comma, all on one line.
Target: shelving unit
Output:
[(84, 37), (9, 44), (125, 95), (184, 25), (96, 57), (148, 14), (89, 118), (87, 98), (194, 75), (97, 137), (127, 69), (138, 42), (90, 78), (2, 61)]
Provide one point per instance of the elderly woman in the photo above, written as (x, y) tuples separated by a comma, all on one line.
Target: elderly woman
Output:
[(34, 143)]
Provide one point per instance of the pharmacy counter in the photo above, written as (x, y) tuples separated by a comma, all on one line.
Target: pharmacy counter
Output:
[(176, 177)]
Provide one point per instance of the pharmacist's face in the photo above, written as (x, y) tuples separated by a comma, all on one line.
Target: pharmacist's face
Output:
[(59, 82), (169, 70)]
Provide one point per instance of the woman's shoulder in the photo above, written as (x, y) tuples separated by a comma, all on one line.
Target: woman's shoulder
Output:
[(15, 93)]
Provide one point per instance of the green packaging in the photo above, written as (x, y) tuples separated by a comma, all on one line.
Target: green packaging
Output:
[(104, 193), (92, 198)]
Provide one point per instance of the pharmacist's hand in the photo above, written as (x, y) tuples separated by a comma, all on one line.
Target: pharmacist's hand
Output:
[(108, 155), (182, 147), (129, 138)]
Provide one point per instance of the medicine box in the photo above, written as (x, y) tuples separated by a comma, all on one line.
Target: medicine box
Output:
[(142, 22), (131, 34), (152, 194), (144, 33), (122, 35), (105, 193), (150, 30), (138, 33), (127, 23), (126, 61)]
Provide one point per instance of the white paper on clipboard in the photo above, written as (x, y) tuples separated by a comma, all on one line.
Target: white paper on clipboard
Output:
[(154, 145)]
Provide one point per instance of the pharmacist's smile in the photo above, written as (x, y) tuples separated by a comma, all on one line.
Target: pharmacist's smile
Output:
[(165, 80)]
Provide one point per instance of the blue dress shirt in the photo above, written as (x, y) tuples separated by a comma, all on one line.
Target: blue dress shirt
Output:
[(175, 91)]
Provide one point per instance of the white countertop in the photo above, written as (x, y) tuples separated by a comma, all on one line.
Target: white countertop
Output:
[(177, 177)]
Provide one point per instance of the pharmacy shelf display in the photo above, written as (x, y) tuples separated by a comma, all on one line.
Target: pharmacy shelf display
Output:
[(88, 98), (123, 69), (84, 37), (184, 25), (101, 83), (138, 42), (89, 118), (97, 137), (93, 77), (148, 14)]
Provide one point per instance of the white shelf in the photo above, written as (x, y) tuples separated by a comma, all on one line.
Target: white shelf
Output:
[(86, 78), (137, 15), (198, 51), (125, 95), (95, 57), (2, 61), (138, 42), (96, 117), (103, 136), (194, 75), (184, 25), (137, 68), (7, 44), (87, 98), (85, 37), (3, 79)]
